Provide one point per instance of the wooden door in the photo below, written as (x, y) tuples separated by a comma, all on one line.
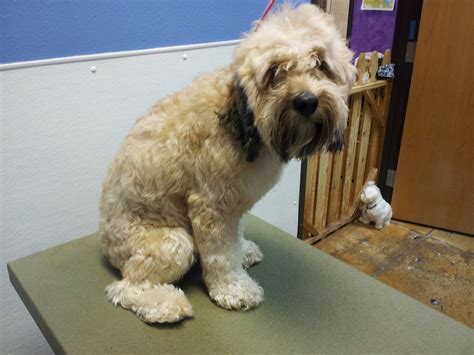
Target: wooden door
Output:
[(434, 182)]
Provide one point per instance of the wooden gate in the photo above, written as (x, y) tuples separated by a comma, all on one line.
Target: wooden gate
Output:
[(334, 180)]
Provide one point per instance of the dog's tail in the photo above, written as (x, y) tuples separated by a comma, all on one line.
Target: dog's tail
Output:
[(162, 303)]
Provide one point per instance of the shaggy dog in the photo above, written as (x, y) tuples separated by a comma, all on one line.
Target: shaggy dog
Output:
[(375, 208), (202, 157)]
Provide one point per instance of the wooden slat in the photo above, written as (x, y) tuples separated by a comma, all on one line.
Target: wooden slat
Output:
[(374, 107), (378, 132), (324, 181), (311, 182), (383, 104), (329, 229), (363, 146), (373, 66), (360, 66), (336, 188), (387, 57), (351, 146), (307, 195), (375, 136), (380, 93), (356, 152), (371, 86), (310, 229), (337, 180)]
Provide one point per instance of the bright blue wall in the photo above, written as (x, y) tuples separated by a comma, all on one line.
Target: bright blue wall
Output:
[(40, 29)]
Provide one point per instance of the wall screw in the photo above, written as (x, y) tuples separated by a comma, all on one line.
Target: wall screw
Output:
[(434, 302)]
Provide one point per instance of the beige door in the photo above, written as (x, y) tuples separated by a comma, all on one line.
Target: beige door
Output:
[(434, 182)]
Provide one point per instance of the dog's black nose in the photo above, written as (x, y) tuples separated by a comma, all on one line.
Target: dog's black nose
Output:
[(305, 103)]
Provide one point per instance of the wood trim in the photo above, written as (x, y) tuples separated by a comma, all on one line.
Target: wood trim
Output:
[(329, 229), (370, 86), (374, 108)]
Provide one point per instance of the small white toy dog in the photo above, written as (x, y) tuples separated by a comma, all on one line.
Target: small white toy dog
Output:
[(375, 208)]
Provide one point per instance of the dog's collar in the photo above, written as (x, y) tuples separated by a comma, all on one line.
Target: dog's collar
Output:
[(249, 136), (374, 205), (239, 119)]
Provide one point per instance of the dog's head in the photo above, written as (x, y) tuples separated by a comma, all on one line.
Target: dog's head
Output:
[(293, 73), (370, 193)]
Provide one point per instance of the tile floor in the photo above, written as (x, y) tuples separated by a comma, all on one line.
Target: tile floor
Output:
[(435, 267)]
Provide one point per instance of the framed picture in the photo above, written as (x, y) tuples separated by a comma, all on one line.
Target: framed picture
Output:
[(378, 5)]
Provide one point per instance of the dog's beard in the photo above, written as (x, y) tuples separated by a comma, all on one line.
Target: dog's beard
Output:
[(297, 136)]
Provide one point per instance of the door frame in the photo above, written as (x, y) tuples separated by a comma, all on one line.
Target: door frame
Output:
[(403, 51)]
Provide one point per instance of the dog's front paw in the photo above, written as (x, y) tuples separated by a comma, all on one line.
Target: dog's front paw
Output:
[(252, 253), (236, 291)]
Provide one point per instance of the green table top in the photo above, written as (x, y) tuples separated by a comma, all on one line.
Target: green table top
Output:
[(313, 304)]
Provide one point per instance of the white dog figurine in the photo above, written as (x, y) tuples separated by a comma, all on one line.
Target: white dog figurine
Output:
[(375, 208), (202, 157)]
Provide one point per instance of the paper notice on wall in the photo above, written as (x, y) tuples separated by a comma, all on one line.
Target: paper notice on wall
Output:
[(380, 5)]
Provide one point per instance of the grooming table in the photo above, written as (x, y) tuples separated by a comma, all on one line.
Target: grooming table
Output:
[(313, 304)]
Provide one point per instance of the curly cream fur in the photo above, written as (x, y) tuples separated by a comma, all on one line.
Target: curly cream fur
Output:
[(181, 181)]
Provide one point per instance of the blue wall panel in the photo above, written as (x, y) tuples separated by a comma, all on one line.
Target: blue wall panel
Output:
[(40, 29)]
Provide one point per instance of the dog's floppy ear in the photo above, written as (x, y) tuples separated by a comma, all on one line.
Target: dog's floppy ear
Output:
[(337, 143), (239, 118)]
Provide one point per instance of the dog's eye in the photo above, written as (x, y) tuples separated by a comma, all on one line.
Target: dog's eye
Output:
[(269, 76), (273, 76), (324, 67)]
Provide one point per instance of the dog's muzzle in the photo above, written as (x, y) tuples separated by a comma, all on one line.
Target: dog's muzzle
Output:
[(305, 103)]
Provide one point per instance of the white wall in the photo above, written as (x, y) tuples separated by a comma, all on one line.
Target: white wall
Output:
[(280, 206), (60, 127)]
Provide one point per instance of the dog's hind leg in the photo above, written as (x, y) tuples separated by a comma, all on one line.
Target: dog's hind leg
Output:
[(251, 253), (161, 303), (363, 216), (161, 256)]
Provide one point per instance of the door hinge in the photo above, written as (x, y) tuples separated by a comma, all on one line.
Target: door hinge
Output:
[(410, 52), (390, 180)]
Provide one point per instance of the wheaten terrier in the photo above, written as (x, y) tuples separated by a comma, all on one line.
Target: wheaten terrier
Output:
[(202, 157)]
